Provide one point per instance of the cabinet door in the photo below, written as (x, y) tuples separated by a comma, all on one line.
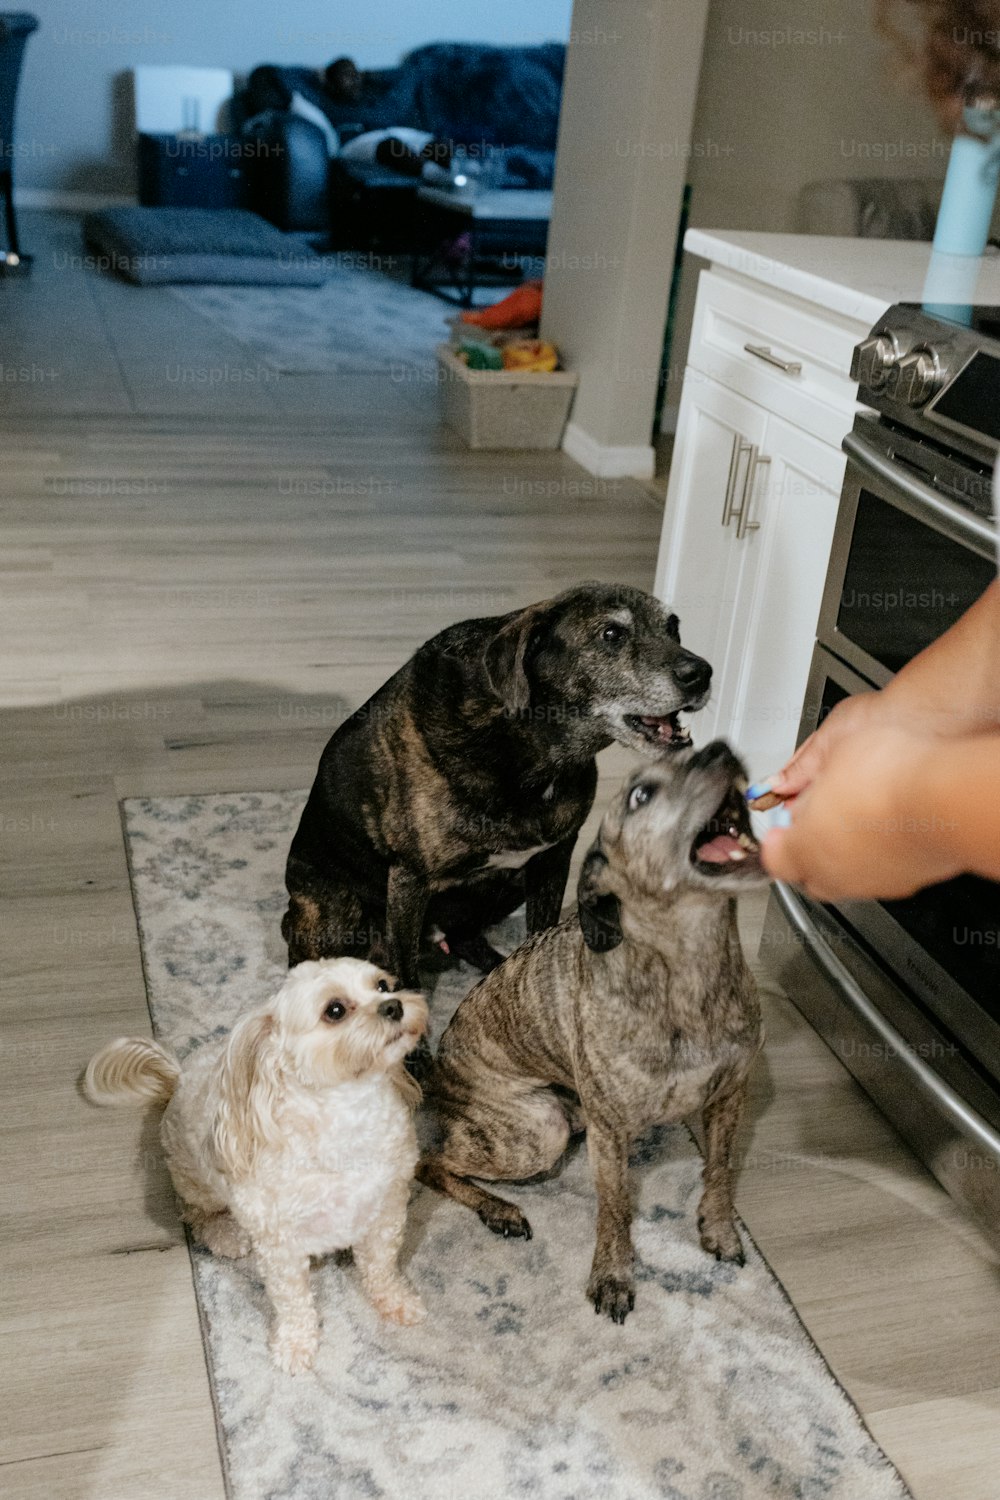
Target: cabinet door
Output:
[(787, 540), (701, 561)]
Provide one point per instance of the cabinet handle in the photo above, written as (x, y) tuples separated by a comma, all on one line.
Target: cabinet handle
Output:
[(764, 352), (743, 521), (740, 446)]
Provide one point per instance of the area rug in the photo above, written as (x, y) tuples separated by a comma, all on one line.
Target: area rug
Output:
[(712, 1390), (362, 320)]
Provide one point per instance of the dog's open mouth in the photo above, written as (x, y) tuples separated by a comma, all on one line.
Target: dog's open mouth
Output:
[(664, 730), (726, 845)]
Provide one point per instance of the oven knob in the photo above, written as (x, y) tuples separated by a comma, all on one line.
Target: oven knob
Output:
[(915, 378), (872, 360)]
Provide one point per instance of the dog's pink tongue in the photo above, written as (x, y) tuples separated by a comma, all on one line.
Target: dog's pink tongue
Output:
[(718, 850), (663, 727)]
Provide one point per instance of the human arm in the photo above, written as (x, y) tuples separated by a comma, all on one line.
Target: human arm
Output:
[(892, 811), (951, 688)]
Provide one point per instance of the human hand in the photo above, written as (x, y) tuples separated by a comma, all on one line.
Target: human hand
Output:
[(812, 755), (864, 827)]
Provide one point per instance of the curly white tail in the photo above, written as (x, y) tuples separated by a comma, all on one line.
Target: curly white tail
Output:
[(131, 1070)]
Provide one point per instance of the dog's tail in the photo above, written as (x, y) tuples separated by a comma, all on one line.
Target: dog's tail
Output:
[(131, 1070)]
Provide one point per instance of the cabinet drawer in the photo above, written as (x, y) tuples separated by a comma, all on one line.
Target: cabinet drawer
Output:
[(815, 392)]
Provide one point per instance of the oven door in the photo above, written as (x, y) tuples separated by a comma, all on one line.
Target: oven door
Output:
[(941, 945), (906, 561)]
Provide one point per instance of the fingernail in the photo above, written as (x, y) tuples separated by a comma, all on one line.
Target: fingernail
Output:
[(782, 816), (759, 789)]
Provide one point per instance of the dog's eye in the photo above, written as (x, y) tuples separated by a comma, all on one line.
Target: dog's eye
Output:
[(639, 796), (383, 987), (674, 628), (335, 1011), (613, 632)]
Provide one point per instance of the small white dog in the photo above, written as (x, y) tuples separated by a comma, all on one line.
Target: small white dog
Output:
[(293, 1136)]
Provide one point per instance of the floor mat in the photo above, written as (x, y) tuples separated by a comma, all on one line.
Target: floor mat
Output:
[(712, 1390)]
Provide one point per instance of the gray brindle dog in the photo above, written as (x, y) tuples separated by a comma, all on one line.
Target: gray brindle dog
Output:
[(639, 1010)]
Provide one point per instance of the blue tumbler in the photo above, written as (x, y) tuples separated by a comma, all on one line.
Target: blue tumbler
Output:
[(970, 186)]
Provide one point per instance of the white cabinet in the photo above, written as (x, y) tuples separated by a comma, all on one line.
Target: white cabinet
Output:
[(761, 689), (747, 532), (700, 567)]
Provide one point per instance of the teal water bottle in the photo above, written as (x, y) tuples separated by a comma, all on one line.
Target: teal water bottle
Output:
[(950, 287), (970, 186)]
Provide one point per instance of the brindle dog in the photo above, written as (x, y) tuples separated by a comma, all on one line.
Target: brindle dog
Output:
[(637, 1011), (458, 790)]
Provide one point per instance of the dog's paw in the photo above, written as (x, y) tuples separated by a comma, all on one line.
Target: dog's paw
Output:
[(505, 1219), (402, 1305), (294, 1351), (612, 1295), (223, 1236), (721, 1239)]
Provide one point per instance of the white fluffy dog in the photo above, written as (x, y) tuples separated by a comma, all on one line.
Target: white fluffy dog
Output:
[(293, 1136)]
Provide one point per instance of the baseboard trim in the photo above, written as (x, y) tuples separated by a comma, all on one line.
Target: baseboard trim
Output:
[(67, 200), (607, 460)]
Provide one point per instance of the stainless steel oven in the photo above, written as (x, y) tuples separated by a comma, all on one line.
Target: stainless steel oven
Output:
[(908, 559), (907, 992)]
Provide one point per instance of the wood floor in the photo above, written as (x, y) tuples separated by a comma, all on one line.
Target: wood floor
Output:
[(190, 593)]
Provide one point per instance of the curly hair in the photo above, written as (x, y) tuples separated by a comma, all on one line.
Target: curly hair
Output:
[(958, 56)]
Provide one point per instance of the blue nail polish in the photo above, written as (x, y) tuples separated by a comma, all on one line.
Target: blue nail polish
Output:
[(782, 816), (759, 789)]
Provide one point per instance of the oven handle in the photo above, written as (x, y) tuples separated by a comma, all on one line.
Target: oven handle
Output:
[(918, 498), (950, 1103)]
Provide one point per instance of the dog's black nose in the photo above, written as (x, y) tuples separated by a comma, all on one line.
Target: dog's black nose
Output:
[(692, 672), (391, 1010), (714, 756)]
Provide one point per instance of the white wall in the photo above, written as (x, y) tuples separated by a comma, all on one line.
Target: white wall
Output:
[(631, 77), (73, 115), (792, 93)]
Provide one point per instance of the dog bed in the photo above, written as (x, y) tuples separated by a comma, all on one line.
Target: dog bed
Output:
[(153, 246)]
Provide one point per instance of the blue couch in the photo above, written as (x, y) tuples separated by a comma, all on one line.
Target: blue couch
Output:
[(500, 101)]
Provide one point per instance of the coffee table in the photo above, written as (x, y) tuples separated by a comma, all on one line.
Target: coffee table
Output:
[(505, 224)]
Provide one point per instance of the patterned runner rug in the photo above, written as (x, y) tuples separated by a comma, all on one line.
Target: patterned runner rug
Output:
[(712, 1389), (358, 322)]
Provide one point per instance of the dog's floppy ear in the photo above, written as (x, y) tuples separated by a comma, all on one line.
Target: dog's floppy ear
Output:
[(505, 659), (598, 908), (248, 1093), (409, 1090)]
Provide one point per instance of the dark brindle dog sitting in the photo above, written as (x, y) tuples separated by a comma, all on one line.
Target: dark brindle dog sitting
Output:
[(458, 790), (637, 1011)]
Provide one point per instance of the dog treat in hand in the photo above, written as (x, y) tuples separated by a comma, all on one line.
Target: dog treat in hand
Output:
[(761, 797)]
